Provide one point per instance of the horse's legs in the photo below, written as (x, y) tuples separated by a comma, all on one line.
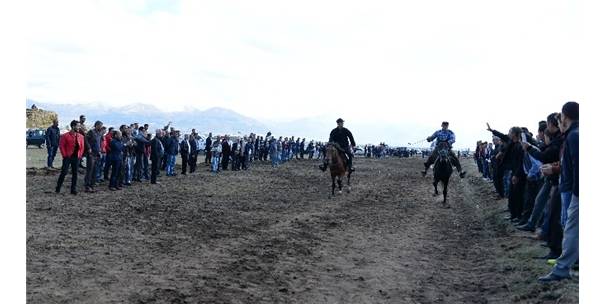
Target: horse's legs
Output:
[(340, 183), (445, 192), (348, 177), (435, 187), (333, 184)]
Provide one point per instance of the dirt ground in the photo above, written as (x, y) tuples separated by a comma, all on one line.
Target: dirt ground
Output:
[(276, 236)]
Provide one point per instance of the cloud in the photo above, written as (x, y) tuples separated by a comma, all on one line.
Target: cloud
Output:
[(385, 62)]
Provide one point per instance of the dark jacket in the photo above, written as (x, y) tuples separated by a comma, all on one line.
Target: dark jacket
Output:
[(343, 137), (116, 150), (193, 143), (183, 147), (157, 149), (172, 146), (141, 142), (569, 181), (507, 149), (225, 148), (94, 141), (208, 144), (52, 136), (549, 154)]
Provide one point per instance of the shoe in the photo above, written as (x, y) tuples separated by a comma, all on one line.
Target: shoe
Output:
[(526, 228), (423, 173), (112, 189), (550, 255), (551, 277), (323, 167), (57, 190), (352, 169), (73, 192), (87, 190), (462, 174)]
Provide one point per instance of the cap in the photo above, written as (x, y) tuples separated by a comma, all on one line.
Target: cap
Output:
[(445, 122), (340, 120)]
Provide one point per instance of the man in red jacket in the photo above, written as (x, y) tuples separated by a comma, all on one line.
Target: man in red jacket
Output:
[(71, 145)]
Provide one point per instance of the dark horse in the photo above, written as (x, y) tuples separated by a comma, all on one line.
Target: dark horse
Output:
[(337, 166), (442, 169)]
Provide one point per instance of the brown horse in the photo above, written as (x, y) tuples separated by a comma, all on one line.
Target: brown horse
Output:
[(337, 166)]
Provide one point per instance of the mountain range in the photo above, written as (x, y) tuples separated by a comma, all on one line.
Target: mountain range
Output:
[(224, 121)]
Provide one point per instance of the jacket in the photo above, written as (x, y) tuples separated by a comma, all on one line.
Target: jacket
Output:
[(67, 143), (52, 136), (343, 137), (117, 149), (569, 175)]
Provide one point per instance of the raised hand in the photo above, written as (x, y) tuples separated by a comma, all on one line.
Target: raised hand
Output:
[(489, 128)]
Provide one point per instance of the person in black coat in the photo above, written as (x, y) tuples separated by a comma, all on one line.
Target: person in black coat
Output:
[(226, 152), (157, 152), (207, 148), (514, 160), (343, 137), (185, 150), (52, 142), (140, 142), (193, 154)]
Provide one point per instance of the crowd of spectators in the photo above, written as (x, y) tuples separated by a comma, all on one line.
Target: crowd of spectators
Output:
[(539, 176)]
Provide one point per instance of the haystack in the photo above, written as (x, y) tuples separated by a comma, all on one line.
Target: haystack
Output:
[(37, 118)]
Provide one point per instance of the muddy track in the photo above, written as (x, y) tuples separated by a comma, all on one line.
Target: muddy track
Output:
[(268, 236)]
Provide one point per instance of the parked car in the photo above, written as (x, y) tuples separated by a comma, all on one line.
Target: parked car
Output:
[(35, 137)]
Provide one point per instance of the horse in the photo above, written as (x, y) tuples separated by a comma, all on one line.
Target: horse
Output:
[(441, 172), (337, 166)]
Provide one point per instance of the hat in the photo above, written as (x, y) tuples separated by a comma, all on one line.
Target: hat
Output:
[(340, 120), (445, 122), (571, 110)]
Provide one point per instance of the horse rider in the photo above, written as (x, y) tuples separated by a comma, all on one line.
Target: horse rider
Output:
[(445, 137), (342, 136)]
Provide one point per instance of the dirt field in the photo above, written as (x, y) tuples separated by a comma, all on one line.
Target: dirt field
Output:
[(275, 236)]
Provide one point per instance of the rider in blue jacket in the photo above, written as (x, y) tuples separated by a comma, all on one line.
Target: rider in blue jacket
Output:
[(443, 137)]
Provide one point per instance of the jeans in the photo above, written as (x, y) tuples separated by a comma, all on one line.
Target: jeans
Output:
[(67, 162), (115, 166), (566, 198), (100, 165), (570, 243), (170, 164), (215, 163), (274, 159), (52, 152), (129, 169), (145, 166), (506, 181), (540, 204), (91, 170)]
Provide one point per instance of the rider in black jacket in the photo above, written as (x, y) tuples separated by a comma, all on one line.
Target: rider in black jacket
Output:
[(343, 137)]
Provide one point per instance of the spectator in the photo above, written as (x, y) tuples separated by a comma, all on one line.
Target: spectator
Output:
[(115, 159), (569, 122), (216, 150), (52, 142), (225, 152), (156, 155), (513, 163), (108, 139), (140, 144), (93, 137), (207, 148), (193, 154), (71, 145), (185, 150), (103, 158), (172, 149)]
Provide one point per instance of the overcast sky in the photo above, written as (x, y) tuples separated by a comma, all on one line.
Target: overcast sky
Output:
[(422, 62)]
